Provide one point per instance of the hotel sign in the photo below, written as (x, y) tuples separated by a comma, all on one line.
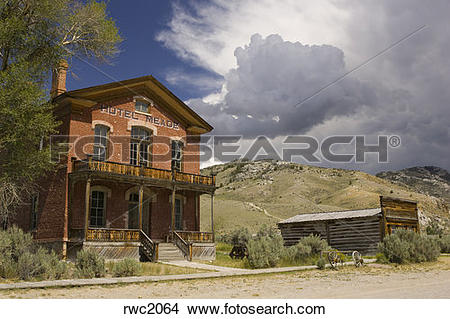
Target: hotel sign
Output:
[(158, 121)]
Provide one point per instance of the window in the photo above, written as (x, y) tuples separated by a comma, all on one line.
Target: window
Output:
[(177, 150), (133, 211), (141, 106), (100, 142), (178, 213), (139, 146), (97, 214), (34, 211)]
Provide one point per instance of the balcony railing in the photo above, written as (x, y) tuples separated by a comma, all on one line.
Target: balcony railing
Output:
[(196, 236), (130, 170), (112, 234)]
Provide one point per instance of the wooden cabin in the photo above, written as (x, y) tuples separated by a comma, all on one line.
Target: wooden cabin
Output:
[(127, 183), (359, 230)]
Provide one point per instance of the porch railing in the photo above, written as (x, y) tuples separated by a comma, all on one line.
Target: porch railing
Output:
[(112, 234), (196, 236), (91, 164), (184, 246)]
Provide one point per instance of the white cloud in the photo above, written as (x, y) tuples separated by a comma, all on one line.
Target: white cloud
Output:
[(209, 36)]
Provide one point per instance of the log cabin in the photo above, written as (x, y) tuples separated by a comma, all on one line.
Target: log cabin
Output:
[(359, 230), (127, 181)]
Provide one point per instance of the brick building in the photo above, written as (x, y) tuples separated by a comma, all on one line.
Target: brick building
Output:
[(128, 180)]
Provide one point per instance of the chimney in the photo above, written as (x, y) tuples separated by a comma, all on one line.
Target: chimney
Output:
[(59, 79)]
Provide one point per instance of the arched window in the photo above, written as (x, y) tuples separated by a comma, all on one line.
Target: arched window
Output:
[(101, 142), (140, 146)]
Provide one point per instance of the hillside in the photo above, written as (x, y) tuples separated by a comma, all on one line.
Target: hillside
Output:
[(430, 180), (264, 192)]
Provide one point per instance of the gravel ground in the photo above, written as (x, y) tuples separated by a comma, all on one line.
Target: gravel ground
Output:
[(430, 280)]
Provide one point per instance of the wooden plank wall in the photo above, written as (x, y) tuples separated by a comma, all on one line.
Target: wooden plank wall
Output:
[(362, 234), (292, 233)]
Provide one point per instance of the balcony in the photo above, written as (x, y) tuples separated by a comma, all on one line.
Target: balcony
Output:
[(113, 168)]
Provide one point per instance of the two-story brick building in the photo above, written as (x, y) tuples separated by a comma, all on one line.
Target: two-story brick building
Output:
[(128, 180)]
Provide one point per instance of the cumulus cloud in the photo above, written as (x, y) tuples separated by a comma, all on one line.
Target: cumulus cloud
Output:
[(305, 45)]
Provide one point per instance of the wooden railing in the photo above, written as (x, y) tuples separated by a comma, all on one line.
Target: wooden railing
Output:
[(126, 169), (184, 246), (148, 248), (196, 236), (112, 234)]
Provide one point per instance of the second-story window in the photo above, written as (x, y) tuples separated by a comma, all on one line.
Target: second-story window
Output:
[(177, 155), (141, 106), (140, 146), (100, 142)]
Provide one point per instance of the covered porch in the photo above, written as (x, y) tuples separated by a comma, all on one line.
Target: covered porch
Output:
[(126, 211)]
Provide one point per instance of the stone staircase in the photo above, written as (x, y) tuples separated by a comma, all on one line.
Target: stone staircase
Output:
[(168, 252)]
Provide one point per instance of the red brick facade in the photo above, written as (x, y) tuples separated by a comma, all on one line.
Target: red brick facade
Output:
[(61, 212)]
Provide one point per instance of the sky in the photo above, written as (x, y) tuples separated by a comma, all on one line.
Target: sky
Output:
[(294, 67)]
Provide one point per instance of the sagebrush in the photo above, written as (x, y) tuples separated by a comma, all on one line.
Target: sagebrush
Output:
[(126, 267), (406, 246), (89, 264), (21, 259)]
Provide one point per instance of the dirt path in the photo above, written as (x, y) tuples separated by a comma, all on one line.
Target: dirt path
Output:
[(253, 205), (374, 281)]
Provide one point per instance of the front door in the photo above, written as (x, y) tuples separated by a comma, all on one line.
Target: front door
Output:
[(133, 213)]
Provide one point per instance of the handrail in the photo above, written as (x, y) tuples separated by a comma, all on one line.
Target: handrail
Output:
[(91, 164), (149, 248), (185, 247)]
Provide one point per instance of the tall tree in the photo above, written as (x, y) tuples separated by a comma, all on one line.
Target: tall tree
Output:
[(34, 36)]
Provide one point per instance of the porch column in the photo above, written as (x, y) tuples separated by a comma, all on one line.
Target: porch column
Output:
[(86, 206), (141, 197), (212, 216), (172, 215)]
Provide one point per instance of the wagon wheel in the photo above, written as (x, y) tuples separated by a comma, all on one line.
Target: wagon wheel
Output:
[(333, 259), (357, 258)]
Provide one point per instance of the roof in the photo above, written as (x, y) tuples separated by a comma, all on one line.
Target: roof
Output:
[(146, 85), (332, 215)]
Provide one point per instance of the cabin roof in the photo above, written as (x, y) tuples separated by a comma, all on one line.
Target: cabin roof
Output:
[(310, 217)]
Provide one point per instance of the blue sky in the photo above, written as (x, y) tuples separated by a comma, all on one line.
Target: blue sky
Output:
[(138, 21)]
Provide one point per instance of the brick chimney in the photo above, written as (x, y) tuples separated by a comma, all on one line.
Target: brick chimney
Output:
[(59, 79)]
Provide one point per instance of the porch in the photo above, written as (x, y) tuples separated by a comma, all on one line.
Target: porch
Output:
[(129, 210)]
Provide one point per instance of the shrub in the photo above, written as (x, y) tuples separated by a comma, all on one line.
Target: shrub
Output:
[(315, 243), (266, 231), (407, 246), (89, 264), (321, 262), (126, 267), (297, 252), (239, 236), (434, 228), (265, 252), (444, 243), (20, 258)]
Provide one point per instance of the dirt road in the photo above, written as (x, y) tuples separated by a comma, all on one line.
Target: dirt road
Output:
[(375, 281)]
